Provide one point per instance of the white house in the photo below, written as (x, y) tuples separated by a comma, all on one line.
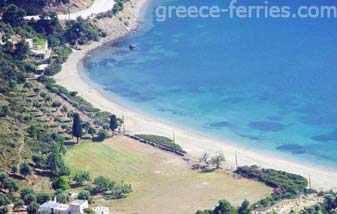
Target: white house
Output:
[(48, 207), (39, 52), (101, 210), (53, 207), (78, 206)]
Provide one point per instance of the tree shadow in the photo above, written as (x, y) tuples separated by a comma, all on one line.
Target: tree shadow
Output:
[(208, 170)]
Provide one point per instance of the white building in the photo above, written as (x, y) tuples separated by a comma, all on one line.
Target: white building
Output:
[(53, 207), (78, 206), (39, 52), (62, 209), (48, 207), (101, 210)]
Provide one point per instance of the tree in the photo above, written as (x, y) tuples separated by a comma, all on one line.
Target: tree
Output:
[(56, 104), (33, 208), (21, 50), (60, 183), (25, 169), (42, 197), (61, 197), (29, 198), (9, 183), (5, 110), (224, 207), (102, 184), (37, 90), (56, 162), (91, 131), (4, 210), (217, 160), (205, 158), (119, 190), (18, 203), (81, 177), (244, 208), (85, 195), (14, 169), (77, 127), (113, 125), (13, 15), (102, 135), (25, 191), (39, 160), (3, 199), (89, 211), (28, 85)]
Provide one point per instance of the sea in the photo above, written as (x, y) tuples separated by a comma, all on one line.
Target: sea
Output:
[(267, 83)]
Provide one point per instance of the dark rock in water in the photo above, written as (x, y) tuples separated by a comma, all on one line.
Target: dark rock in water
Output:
[(220, 124), (132, 47), (325, 138), (293, 148), (266, 126), (250, 137)]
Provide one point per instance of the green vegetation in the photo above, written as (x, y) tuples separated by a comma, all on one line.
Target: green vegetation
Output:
[(286, 185), (39, 41), (77, 127), (328, 206), (36, 115), (225, 207), (161, 141), (113, 123)]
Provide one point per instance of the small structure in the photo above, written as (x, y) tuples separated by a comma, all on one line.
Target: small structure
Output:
[(41, 68), (48, 207), (78, 206), (39, 49), (62, 209), (101, 210)]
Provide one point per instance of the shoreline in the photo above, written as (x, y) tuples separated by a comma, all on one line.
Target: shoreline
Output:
[(139, 122)]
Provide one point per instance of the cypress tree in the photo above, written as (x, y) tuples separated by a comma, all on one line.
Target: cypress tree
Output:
[(113, 123), (77, 126)]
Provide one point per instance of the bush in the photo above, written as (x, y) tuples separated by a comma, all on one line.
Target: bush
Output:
[(60, 183), (286, 185), (102, 135), (85, 195), (163, 141)]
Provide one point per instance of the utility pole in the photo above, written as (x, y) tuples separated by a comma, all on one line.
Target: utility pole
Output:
[(174, 137), (123, 124), (310, 182), (236, 160), (68, 11)]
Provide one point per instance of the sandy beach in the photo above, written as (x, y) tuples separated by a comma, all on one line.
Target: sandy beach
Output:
[(194, 143)]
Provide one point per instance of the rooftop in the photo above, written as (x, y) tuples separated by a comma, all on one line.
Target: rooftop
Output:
[(78, 202), (50, 204), (62, 207)]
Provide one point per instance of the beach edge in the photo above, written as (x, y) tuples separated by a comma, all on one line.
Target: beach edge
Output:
[(195, 143)]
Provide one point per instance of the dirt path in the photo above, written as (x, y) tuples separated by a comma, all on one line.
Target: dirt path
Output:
[(20, 151), (98, 6), (286, 206)]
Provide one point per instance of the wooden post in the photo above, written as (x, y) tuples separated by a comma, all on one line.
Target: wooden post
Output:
[(123, 124), (68, 12), (310, 182), (174, 137), (236, 161)]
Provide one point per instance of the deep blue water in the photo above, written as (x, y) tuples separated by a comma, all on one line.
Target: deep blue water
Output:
[(269, 84)]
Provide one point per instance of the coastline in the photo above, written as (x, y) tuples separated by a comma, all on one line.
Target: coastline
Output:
[(136, 122)]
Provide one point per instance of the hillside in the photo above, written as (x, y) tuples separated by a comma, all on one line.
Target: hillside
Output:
[(33, 7)]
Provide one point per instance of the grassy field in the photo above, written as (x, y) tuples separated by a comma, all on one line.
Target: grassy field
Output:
[(162, 182)]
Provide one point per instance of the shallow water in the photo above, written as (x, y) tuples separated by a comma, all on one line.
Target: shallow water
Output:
[(264, 83)]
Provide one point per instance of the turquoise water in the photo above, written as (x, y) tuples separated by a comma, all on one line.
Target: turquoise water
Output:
[(268, 84)]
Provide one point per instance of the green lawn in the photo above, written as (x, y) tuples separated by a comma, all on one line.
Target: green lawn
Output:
[(160, 180)]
